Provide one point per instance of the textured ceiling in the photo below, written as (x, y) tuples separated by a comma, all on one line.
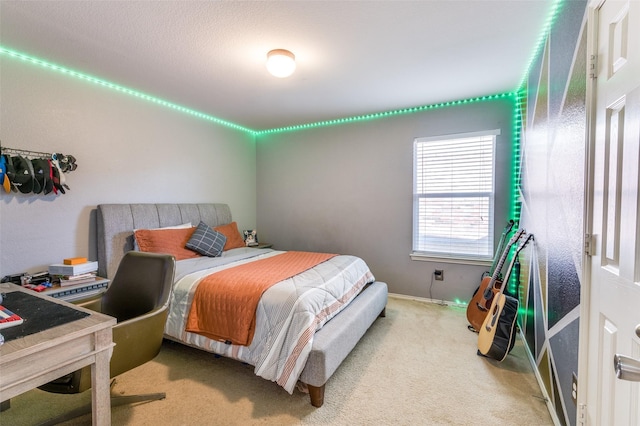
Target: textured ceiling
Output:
[(353, 57)]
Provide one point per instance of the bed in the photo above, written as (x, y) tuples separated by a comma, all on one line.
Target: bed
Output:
[(292, 348)]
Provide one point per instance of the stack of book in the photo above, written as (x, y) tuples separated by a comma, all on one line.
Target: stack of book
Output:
[(74, 271), (8, 318)]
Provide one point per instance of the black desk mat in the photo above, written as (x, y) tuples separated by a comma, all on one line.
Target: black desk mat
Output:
[(38, 314)]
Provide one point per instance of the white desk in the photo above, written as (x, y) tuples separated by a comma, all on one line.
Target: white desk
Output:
[(31, 361)]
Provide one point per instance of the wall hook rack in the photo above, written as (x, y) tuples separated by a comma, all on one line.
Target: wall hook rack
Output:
[(28, 171)]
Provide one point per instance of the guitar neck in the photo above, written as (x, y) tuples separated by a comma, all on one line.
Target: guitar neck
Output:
[(501, 244), (512, 263), (495, 258), (503, 259), (505, 254)]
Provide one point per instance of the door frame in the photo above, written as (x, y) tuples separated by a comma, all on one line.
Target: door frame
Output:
[(589, 243)]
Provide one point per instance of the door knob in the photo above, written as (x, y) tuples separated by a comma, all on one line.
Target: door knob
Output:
[(627, 368), (638, 330)]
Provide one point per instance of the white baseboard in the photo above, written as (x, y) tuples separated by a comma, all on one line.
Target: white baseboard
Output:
[(427, 300)]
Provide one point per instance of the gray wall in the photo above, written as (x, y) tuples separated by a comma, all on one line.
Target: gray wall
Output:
[(127, 150), (348, 189)]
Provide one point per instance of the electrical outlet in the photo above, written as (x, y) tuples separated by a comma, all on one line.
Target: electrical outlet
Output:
[(574, 389), (438, 275)]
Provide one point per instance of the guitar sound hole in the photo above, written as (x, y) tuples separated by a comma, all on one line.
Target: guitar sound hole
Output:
[(485, 304)]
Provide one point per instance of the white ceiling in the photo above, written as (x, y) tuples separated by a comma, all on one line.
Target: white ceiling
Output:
[(353, 57)]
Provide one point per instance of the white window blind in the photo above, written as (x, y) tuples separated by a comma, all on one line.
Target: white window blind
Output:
[(453, 195)]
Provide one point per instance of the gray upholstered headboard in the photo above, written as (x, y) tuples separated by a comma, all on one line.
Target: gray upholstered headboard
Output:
[(116, 223)]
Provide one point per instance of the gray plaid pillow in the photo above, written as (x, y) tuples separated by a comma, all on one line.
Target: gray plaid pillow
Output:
[(206, 241)]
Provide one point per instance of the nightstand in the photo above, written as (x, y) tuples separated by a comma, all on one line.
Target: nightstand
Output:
[(79, 292)]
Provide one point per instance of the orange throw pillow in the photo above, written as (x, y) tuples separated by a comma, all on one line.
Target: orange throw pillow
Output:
[(234, 239), (170, 241)]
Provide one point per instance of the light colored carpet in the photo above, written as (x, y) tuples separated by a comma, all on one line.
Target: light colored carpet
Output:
[(416, 366)]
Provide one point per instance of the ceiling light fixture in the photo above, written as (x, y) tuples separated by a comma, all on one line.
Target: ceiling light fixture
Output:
[(281, 63)]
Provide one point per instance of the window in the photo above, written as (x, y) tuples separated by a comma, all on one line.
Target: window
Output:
[(453, 196)]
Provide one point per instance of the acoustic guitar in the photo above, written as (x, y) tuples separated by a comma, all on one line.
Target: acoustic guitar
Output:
[(496, 336), (480, 303)]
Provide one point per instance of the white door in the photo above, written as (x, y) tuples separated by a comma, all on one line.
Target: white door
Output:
[(614, 271)]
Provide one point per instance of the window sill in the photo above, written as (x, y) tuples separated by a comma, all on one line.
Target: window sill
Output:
[(458, 260)]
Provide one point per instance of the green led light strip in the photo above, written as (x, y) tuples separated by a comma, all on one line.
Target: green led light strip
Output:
[(366, 117), (122, 89), (520, 97), (374, 116), (542, 39), (518, 128), (153, 99), (516, 204)]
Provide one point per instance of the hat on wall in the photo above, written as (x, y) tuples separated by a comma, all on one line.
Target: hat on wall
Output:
[(42, 172), (58, 176), (37, 184), (11, 171), (24, 179), (38, 174), (67, 163), (4, 179)]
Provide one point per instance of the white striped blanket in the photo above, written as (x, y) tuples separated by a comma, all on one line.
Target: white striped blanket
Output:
[(288, 315)]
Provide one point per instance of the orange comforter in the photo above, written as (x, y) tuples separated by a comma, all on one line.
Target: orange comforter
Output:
[(224, 304)]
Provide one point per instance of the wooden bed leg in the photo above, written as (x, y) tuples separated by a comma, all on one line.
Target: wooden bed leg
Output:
[(383, 313), (317, 395)]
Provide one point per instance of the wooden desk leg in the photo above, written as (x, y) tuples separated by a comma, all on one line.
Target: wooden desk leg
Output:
[(100, 392)]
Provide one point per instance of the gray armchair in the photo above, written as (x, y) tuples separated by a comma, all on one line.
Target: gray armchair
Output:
[(138, 298)]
